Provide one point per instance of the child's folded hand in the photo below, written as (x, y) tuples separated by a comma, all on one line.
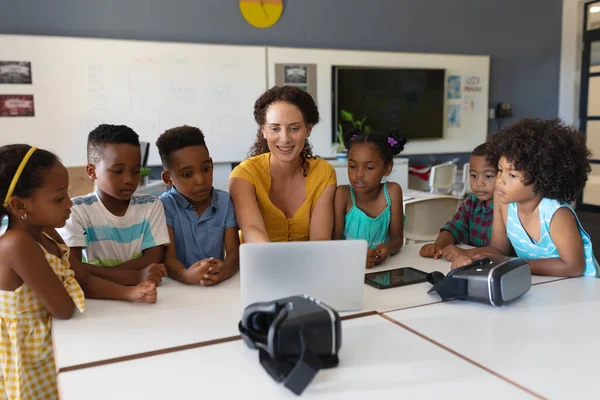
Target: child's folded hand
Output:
[(451, 252), (372, 257), (460, 261), (153, 273), (382, 252), (197, 270), (216, 273), (144, 292), (431, 250)]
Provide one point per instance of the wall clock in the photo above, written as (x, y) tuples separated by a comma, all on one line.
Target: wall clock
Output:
[(261, 13)]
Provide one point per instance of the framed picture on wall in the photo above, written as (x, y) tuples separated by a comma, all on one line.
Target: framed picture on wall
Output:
[(454, 87), (15, 72), (454, 116), (296, 74), (16, 105), (302, 76)]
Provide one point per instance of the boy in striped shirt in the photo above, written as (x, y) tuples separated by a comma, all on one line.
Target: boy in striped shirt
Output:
[(114, 229)]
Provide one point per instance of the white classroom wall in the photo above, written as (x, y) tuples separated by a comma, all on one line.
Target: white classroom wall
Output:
[(79, 83), (473, 130)]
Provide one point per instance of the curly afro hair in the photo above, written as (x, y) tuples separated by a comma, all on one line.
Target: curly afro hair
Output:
[(552, 156), (292, 95), (176, 139)]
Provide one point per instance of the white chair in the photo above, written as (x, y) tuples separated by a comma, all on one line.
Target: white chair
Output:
[(466, 177), (425, 217), (415, 182), (442, 178)]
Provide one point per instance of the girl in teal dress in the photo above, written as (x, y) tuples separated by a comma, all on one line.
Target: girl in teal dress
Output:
[(367, 208)]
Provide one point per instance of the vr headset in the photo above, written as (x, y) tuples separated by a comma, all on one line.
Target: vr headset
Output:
[(295, 337), (494, 280)]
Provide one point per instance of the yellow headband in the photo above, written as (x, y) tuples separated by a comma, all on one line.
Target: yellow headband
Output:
[(15, 178)]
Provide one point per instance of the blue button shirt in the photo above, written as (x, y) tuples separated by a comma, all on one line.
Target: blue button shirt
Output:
[(198, 236)]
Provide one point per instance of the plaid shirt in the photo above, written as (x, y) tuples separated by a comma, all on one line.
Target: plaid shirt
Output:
[(472, 223)]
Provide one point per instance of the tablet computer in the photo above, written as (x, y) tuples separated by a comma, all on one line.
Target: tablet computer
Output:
[(395, 277)]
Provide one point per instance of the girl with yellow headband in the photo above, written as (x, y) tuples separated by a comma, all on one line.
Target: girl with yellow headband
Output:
[(36, 280)]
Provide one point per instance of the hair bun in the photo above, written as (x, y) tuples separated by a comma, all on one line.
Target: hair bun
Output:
[(396, 140), (350, 134)]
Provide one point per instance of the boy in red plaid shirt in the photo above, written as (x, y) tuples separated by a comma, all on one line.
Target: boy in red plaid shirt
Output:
[(472, 223)]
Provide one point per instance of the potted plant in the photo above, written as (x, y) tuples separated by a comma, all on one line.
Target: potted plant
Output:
[(144, 176), (347, 116)]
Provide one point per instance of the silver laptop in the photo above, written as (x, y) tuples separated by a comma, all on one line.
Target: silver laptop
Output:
[(331, 271)]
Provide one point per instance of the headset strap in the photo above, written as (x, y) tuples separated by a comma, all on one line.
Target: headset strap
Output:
[(448, 287), (296, 375)]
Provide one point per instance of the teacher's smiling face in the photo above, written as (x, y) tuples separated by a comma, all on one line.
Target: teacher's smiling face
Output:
[(285, 131)]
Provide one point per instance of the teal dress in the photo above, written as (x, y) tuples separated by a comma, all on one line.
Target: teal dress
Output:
[(358, 225), (526, 247)]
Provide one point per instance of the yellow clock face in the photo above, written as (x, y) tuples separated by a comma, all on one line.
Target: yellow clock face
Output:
[(261, 13)]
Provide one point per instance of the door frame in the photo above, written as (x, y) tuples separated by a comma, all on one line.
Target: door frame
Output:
[(588, 38)]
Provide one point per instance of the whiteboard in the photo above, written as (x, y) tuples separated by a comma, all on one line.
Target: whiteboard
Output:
[(79, 83), (473, 104)]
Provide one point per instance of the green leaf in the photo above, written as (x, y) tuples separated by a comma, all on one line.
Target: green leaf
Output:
[(368, 129), (340, 135), (347, 115), (144, 171)]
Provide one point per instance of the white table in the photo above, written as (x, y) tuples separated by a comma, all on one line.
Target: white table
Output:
[(192, 314), (546, 341), (409, 195), (413, 295), (377, 358), (182, 315)]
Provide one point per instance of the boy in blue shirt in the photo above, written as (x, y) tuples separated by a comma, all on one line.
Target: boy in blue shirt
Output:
[(200, 219)]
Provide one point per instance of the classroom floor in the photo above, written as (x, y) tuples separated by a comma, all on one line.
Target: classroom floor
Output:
[(591, 224)]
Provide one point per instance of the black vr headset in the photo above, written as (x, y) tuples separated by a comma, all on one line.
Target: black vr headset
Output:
[(295, 338), (494, 280)]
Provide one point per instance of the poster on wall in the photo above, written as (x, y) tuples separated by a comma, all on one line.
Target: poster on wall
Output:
[(454, 87), (15, 72), (470, 104), (472, 84), (294, 74), (16, 105), (302, 76), (454, 116)]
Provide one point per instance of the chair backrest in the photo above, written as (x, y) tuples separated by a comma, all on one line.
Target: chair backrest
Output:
[(425, 217), (466, 181), (442, 178), (79, 182)]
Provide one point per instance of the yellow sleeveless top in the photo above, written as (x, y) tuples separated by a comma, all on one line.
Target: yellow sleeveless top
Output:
[(27, 368), (257, 171)]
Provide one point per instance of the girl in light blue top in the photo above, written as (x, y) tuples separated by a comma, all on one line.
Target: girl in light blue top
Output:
[(542, 167), (368, 209)]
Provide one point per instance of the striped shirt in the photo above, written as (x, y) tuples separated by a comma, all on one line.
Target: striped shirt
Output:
[(108, 240)]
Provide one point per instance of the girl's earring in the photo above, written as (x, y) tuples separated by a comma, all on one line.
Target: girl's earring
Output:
[(24, 216)]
